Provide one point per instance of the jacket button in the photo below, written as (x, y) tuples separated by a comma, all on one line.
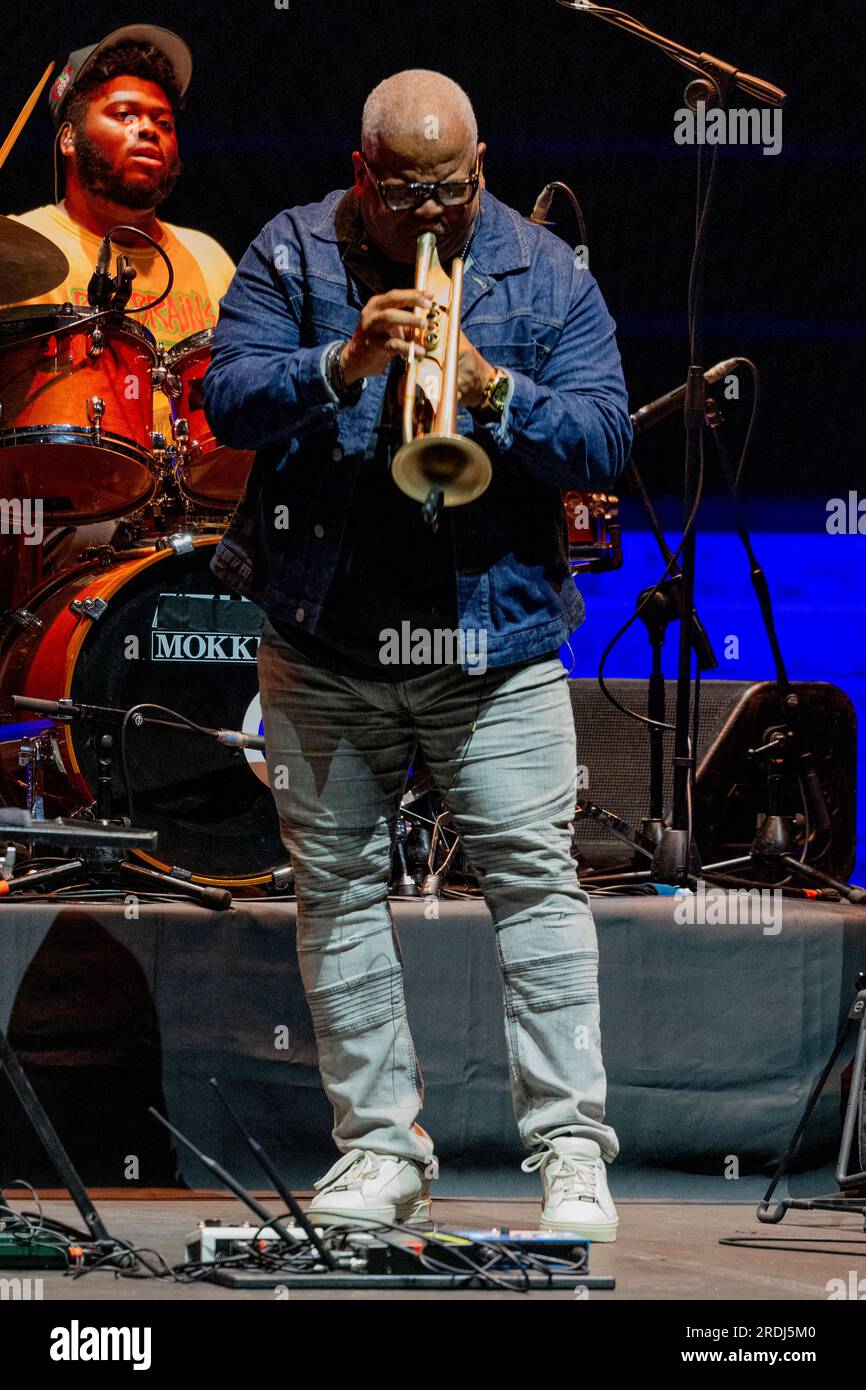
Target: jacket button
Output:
[(318, 532), (299, 615), (337, 454)]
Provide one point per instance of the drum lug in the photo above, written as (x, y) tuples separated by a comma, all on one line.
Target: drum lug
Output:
[(95, 412), (164, 380), (97, 343), (180, 431), (92, 608), (181, 543)]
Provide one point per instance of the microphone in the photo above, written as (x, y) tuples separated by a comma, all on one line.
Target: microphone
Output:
[(649, 415), (122, 283), (65, 710), (541, 207), (101, 286)]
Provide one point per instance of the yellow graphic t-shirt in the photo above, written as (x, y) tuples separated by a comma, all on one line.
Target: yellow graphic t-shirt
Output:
[(202, 272)]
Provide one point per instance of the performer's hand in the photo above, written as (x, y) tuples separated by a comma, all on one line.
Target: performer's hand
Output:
[(388, 324), (473, 373)]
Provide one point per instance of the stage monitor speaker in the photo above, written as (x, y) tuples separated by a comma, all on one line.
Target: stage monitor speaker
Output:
[(731, 787)]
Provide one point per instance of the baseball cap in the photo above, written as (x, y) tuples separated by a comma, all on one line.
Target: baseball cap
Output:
[(174, 48)]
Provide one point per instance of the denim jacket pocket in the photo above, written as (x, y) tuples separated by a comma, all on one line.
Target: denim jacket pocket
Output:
[(327, 319), (519, 357)]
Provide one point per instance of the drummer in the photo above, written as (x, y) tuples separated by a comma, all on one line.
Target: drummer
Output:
[(114, 108)]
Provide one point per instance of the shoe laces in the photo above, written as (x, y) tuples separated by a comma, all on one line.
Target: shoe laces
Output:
[(573, 1170), (353, 1167)]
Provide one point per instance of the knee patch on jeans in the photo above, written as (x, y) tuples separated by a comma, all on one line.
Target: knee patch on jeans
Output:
[(356, 1005), (552, 982)]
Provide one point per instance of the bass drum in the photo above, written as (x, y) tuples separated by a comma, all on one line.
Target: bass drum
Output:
[(154, 626)]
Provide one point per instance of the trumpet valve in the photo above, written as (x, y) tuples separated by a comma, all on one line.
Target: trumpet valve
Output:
[(431, 332)]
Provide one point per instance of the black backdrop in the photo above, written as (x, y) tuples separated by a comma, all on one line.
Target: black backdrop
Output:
[(273, 114)]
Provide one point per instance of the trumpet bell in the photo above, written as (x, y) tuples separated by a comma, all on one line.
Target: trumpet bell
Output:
[(457, 465)]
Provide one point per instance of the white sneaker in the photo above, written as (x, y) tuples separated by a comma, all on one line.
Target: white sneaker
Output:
[(376, 1186), (576, 1196)]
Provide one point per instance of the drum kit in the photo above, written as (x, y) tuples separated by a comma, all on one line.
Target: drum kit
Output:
[(142, 621)]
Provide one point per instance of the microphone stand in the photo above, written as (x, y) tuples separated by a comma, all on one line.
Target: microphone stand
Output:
[(675, 860), (657, 613), (786, 745)]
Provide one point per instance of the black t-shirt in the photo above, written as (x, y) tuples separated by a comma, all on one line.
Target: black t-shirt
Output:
[(393, 569)]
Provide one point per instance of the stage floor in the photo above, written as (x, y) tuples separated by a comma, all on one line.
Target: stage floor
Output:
[(665, 1251)]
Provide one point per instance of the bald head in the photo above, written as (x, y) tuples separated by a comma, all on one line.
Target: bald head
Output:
[(418, 127), (417, 105)]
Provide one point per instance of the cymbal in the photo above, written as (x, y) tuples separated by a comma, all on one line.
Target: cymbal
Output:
[(30, 264)]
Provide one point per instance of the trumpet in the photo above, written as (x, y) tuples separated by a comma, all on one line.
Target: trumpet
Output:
[(436, 465)]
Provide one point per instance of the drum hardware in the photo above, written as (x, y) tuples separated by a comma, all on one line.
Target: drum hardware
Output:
[(169, 513), (106, 865), (404, 883), (32, 754), (180, 435), (158, 442), (163, 379), (91, 608), (100, 851), (24, 618), (95, 412), (102, 555), (421, 831), (96, 343), (181, 543)]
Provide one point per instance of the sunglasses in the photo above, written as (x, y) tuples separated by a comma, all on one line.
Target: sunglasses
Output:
[(401, 197)]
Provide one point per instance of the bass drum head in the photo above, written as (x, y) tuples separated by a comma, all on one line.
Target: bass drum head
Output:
[(175, 636)]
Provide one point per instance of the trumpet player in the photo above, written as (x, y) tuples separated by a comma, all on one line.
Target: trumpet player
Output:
[(308, 362)]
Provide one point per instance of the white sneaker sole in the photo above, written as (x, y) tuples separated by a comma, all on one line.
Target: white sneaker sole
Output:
[(604, 1234), (418, 1212)]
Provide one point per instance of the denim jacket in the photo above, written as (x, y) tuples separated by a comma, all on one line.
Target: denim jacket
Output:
[(529, 306)]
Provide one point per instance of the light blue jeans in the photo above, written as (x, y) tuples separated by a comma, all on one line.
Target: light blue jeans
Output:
[(338, 750)]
